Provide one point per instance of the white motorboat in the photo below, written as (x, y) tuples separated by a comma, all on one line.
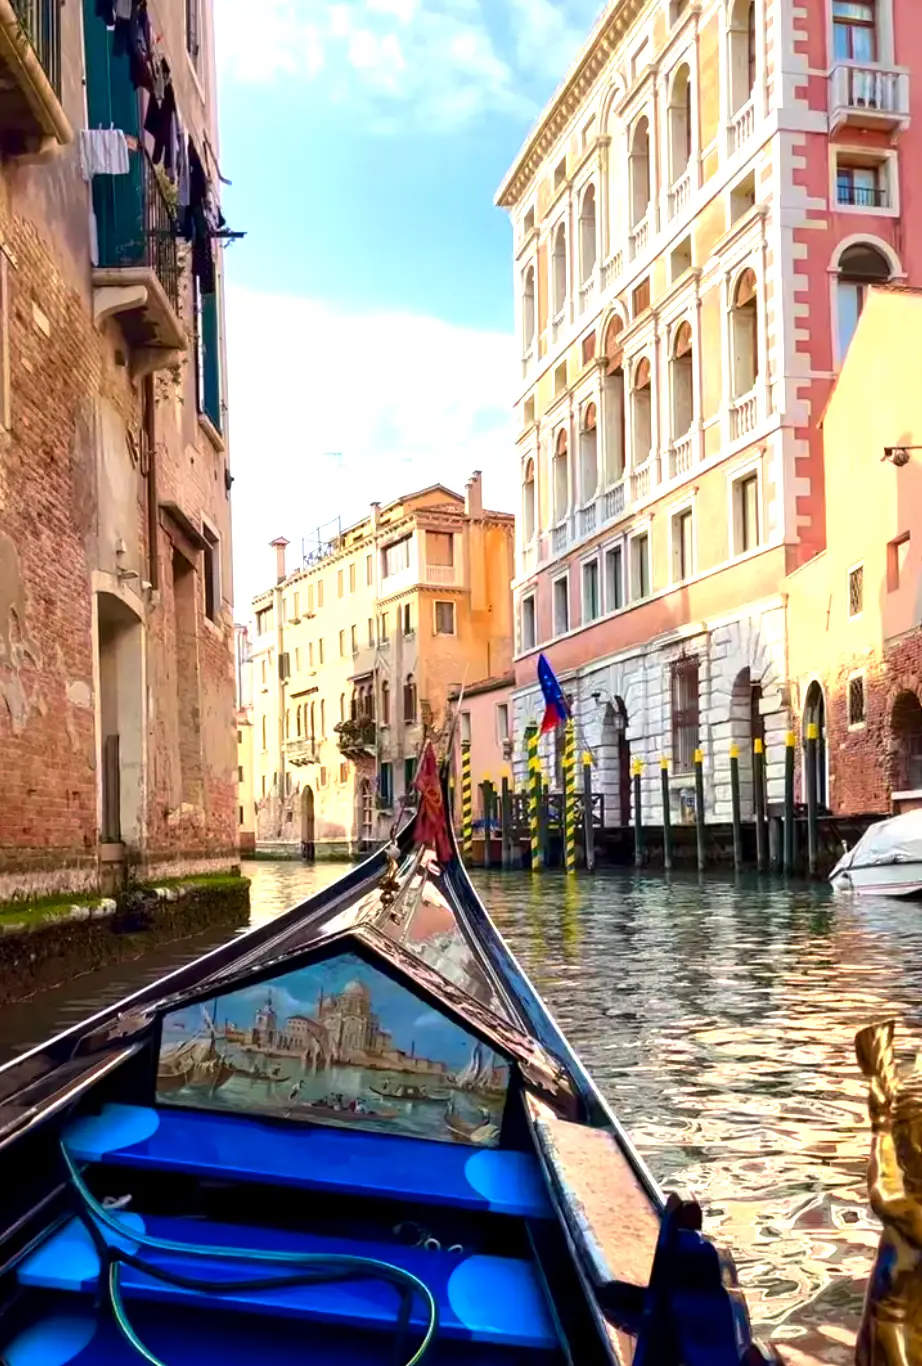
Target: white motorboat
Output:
[(886, 861)]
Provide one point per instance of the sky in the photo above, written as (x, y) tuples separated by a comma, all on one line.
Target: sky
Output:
[(370, 306)]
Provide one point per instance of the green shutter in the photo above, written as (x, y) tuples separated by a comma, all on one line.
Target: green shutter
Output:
[(211, 360), (112, 102)]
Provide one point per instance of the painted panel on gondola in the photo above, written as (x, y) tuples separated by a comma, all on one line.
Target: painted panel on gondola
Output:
[(337, 1043)]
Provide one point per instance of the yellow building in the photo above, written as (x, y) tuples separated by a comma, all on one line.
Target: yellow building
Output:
[(354, 656)]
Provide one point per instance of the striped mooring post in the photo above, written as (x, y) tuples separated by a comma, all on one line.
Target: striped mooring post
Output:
[(569, 799), (534, 798), (467, 805)]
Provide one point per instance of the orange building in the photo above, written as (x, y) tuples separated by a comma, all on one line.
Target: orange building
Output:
[(854, 612)]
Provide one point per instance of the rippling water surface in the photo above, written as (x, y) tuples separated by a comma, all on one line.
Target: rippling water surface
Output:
[(719, 1019)]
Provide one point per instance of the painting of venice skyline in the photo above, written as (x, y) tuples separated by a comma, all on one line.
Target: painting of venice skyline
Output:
[(335, 1043)]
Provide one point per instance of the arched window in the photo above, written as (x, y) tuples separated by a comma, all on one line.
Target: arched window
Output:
[(613, 406), (683, 394), (906, 728), (409, 701), (342, 706), (860, 267), (385, 704), (742, 40), (680, 125), (640, 171), (559, 270), (588, 453), (561, 482), (642, 405), (587, 235), (528, 310), (744, 332), (528, 503)]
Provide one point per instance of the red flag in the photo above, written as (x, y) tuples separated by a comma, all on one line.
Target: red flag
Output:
[(431, 824)]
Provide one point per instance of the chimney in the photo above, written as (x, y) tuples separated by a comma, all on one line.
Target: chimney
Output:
[(473, 495), (280, 544), (375, 515)]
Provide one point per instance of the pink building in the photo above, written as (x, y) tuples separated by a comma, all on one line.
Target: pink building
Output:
[(485, 723), (697, 218)]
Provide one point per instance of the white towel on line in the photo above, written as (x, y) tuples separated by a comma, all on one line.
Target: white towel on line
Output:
[(103, 151)]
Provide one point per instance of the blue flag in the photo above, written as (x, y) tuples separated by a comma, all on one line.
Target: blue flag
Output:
[(557, 709)]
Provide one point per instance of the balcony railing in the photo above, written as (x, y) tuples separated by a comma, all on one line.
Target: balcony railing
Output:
[(559, 538), (303, 751), (587, 293), (528, 359), (869, 97), (742, 127), (557, 324), (680, 195), (862, 196), (681, 457), (744, 416), (443, 574), (356, 737), (613, 502), (642, 481), (639, 238), (30, 77), (587, 519), (612, 270), (138, 246)]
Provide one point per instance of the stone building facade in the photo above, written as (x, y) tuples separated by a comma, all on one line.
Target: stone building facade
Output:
[(697, 217), (116, 640)]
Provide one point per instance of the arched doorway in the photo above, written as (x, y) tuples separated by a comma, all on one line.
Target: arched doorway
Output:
[(746, 726), (906, 730), (308, 847), (615, 764), (815, 714)]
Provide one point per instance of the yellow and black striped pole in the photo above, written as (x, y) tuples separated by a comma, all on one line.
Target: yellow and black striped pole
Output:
[(569, 799), (467, 806), (534, 798)]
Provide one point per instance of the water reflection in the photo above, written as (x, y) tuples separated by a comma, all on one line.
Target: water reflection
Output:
[(719, 1019)]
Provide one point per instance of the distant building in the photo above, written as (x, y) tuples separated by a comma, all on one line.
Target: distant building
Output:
[(352, 1026), (485, 727), (264, 1033), (354, 655)]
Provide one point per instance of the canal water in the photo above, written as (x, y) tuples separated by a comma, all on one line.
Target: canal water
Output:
[(719, 1018)]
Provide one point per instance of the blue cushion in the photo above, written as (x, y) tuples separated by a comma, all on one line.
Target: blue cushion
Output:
[(232, 1146), (480, 1298)]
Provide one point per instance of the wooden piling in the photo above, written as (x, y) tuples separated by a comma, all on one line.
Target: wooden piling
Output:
[(534, 798), (505, 823), (667, 814), (467, 803), (588, 824), (758, 785), (790, 742), (544, 818), (637, 770), (812, 832), (486, 801), (699, 808), (735, 808), (569, 799)]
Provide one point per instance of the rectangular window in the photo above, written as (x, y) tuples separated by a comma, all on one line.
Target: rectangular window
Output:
[(319, 651), (861, 187), (371, 631), (465, 728), (409, 702), (386, 786), (856, 713), (340, 583), (502, 721), (369, 569), (207, 341), (211, 573), (640, 299), (444, 618), (354, 639), (405, 614), (264, 784), (344, 773), (682, 548), (310, 655), (319, 594), (529, 627), (640, 567), (684, 714), (240, 816), (323, 775), (592, 606), (284, 609), (855, 31), (342, 644), (264, 621), (352, 578), (440, 548), (856, 591), (262, 670), (409, 773), (746, 529), (561, 606), (897, 555), (296, 607), (193, 29), (397, 557), (310, 599), (614, 578), (384, 631), (240, 773)]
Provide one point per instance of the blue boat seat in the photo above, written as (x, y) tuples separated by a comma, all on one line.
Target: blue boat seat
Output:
[(480, 1298), (240, 1148)]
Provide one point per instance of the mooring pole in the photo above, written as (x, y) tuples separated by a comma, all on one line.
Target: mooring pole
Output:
[(544, 817), (637, 767), (569, 799), (812, 832), (534, 798), (790, 742), (667, 815), (588, 823), (505, 823), (735, 808), (467, 804), (486, 790), (758, 782), (699, 808)]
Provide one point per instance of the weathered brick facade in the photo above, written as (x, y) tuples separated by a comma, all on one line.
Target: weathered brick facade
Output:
[(90, 662)]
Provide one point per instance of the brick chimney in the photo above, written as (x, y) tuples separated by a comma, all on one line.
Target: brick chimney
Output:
[(279, 545), (375, 515), (473, 495)]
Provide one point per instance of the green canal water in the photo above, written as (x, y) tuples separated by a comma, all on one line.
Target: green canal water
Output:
[(718, 1018)]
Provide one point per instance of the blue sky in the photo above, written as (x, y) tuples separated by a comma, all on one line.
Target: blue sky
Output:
[(369, 309)]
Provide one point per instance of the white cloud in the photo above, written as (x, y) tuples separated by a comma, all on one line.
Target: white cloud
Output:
[(403, 400)]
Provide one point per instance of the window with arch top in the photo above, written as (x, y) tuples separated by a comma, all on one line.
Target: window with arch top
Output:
[(587, 235), (742, 54), (744, 333), (860, 268), (559, 270), (588, 453), (680, 124), (642, 415), (681, 365), (528, 310), (528, 502), (561, 482), (640, 186)]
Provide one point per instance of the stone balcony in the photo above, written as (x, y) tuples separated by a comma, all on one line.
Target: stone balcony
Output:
[(871, 96), (32, 118)]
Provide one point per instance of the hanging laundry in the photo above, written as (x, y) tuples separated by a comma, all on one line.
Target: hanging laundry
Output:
[(105, 10), (103, 151), (160, 123)]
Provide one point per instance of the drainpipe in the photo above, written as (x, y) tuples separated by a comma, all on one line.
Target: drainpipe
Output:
[(150, 441)]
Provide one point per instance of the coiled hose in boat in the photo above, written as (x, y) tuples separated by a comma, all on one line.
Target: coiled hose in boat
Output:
[(315, 1267)]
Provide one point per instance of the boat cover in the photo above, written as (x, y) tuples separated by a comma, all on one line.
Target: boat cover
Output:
[(898, 840)]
